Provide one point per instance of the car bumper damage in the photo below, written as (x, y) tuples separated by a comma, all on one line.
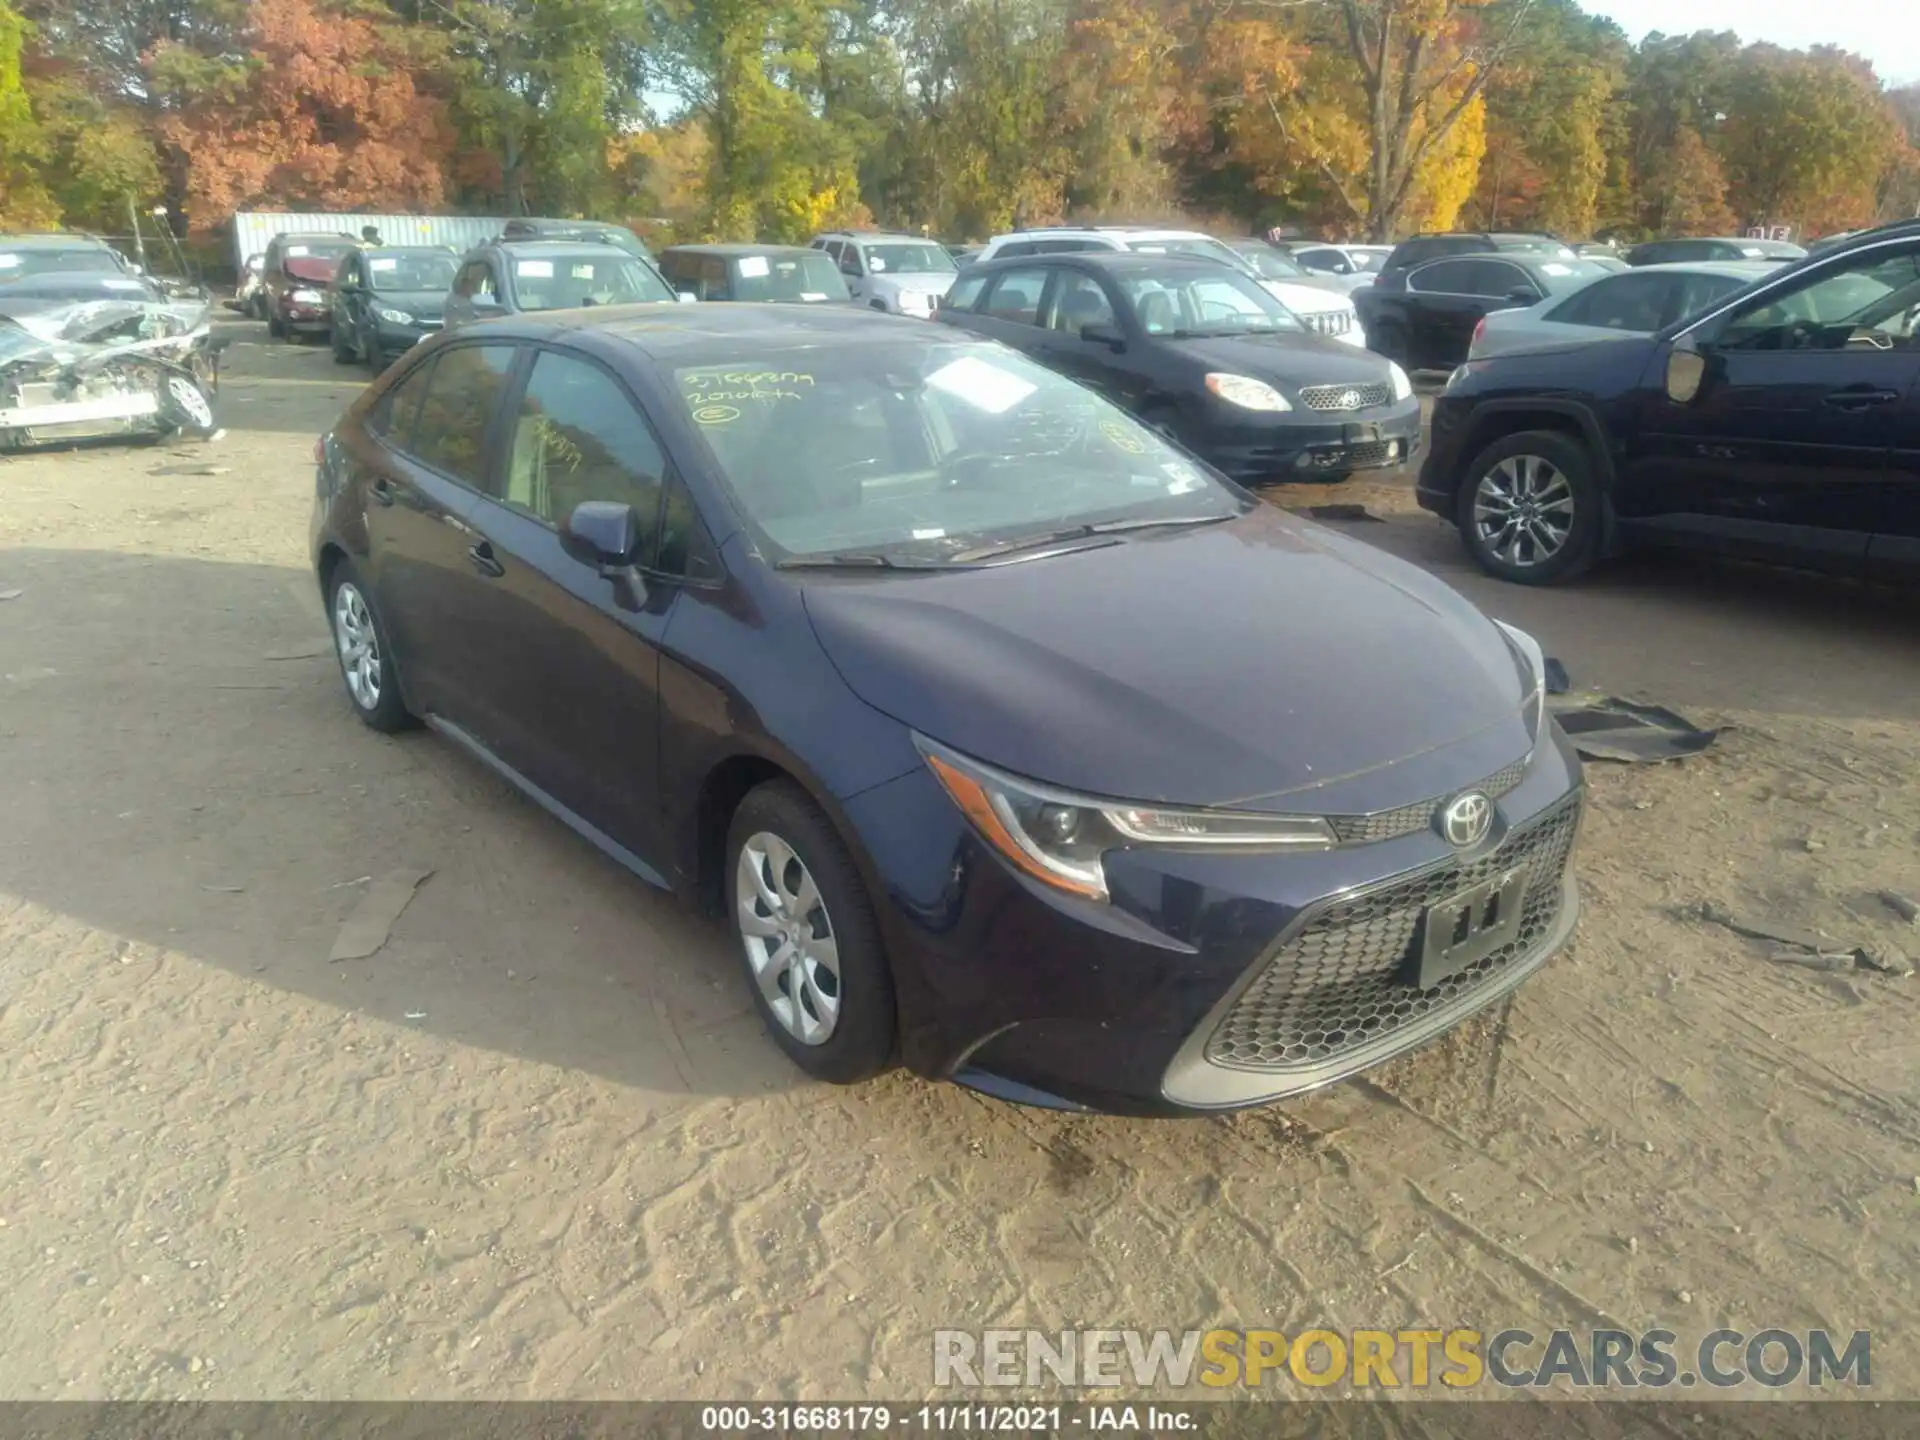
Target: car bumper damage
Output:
[(1215, 981), (100, 369), (1299, 446)]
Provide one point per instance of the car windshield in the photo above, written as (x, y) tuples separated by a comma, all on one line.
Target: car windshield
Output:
[(565, 281), (908, 257), (14, 264), (808, 277), (403, 273), (314, 259), (1188, 300), (910, 453), (1270, 264)]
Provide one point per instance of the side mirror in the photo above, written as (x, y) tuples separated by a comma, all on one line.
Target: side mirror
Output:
[(1102, 332), (1686, 374), (602, 532), (1522, 297)]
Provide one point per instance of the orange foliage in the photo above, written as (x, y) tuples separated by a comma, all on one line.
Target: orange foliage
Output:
[(330, 114)]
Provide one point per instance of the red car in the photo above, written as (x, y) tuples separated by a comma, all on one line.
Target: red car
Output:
[(294, 279)]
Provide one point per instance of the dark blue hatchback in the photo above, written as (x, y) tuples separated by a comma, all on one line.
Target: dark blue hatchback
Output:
[(1013, 744)]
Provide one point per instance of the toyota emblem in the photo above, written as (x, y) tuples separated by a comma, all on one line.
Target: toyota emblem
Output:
[(1349, 399), (1466, 820)]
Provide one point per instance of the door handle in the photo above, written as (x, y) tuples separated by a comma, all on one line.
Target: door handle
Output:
[(382, 491), (1861, 397), (482, 556)]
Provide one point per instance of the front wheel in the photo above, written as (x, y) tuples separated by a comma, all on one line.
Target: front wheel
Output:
[(1529, 508), (184, 406), (807, 937)]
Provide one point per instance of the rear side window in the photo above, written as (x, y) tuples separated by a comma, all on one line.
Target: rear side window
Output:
[(1016, 296), (579, 438), (1331, 260), (1444, 277), (1497, 280), (466, 389), (1624, 302), (394, 413)]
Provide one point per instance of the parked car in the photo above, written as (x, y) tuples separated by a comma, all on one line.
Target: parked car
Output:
[(1010, 744), (508, 277), (1202, 354), (1670, 252), (1425, 317), (1781, 424), (593, 232), (1315, 306), (24, 255), (385, 299), (1629, 302), (964, 255), (1351, 266), (900, 274), (293, 281), (1269, 262), (786, 273), (1418, 249)]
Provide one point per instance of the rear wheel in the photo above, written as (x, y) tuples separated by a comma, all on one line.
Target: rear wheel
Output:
[(342, 353), (807, 937), (366, 659), (1529, 508)]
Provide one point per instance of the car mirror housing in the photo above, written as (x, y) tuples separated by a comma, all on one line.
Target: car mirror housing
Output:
[(1686, 374), (602, 532), (1102, 332), (1522, 297)]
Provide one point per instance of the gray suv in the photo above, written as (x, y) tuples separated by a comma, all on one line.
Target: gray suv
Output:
[(901, 274)]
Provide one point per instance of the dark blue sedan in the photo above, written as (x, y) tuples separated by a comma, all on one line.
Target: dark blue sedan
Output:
[(1013, 744)]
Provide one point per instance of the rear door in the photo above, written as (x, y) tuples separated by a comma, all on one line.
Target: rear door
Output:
[(421, 476), (1442, 307), (1078, 299), (571, 673)]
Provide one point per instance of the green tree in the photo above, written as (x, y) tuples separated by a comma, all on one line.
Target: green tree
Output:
[(25, 203)]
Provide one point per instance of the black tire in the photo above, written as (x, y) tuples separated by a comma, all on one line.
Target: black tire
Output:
[(184, 406), (342, 355), (1522, 455), (860, 1043), (387, 711)]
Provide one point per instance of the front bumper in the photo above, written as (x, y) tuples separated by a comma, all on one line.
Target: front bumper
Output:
[(1439, 480), (1302, 444), (1212, 981), (306, 319)]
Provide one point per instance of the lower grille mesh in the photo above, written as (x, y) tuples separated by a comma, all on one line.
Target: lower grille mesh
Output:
[(1339, 984)]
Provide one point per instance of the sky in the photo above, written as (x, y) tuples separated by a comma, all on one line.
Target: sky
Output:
[(1887, 32)]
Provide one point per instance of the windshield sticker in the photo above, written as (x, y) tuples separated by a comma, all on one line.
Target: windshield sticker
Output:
[(715, 415), (1552, 269), (983, 386), (1181, 477), (294, 252), (1121, 438), (934, 534), (876, 264), (813, 294), (534, 269), (7, 262), (753, 267), (581, 272), (714, 395), (382, 265)]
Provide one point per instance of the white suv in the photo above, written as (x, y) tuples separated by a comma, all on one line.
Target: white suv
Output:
[(1319, 309), (901, 274)]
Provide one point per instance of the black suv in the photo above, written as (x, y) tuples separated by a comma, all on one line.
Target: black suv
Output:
[(1418, 249), (1783, 424)]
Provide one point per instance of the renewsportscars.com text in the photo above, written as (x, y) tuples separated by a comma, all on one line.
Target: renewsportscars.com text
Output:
[(1454, 1359)]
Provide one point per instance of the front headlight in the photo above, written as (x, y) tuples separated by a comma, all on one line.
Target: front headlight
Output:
[(393, 317), (1059, 838), (305, 297), (1533, 671), (1247, 392), (1402, 386)]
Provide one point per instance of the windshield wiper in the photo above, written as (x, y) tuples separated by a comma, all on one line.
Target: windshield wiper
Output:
[(1096, 529), (843, 560)]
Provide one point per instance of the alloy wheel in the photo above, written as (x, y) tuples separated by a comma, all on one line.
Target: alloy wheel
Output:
[(1523, 511), (789, 938), (359, 646), (191, 400)]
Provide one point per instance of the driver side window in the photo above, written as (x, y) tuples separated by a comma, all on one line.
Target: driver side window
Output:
[(1873, 302)]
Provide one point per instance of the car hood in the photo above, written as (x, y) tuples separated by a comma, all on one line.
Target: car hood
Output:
[(421, 304), (1295, 359), (927, 283), (1239, 663)]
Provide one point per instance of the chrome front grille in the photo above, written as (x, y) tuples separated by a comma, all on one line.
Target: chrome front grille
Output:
[(1340, 984), (1387, 824), (1345, 397), (1329, 322)]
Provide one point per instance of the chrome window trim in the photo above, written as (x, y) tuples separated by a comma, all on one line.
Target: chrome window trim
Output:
[(1795, 270)]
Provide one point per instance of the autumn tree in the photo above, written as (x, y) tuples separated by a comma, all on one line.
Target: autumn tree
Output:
[(1684, 188), (25, 203), (326, 111)]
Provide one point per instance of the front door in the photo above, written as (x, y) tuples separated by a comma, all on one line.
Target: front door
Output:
[(1787, 448), (1079, 300), (571, 674), (1895, 551)]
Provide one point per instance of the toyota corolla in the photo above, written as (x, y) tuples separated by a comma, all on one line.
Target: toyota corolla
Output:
[(1011, 743)]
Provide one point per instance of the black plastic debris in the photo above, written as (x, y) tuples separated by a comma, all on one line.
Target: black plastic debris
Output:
[(1615, 729)]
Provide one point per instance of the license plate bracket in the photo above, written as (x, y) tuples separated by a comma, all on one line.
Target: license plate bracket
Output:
[(1467, 927), (1361, 432)]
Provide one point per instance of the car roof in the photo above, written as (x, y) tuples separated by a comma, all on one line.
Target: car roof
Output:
[(706, 334), (1117, 261), (734, 248), (558, 247)]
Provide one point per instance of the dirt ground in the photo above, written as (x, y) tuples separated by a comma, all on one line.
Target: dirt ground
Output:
[(537, 1146)]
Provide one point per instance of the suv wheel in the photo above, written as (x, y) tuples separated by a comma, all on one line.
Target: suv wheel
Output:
[(1529, 508), (807, 937)]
